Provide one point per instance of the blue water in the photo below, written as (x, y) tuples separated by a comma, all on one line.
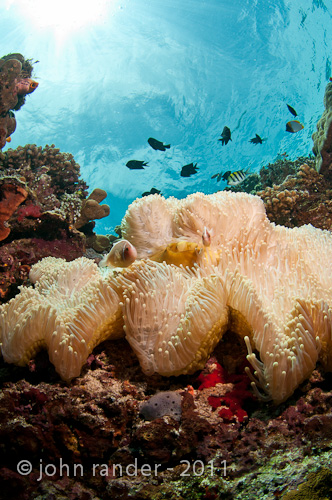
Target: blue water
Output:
[(178, 71)]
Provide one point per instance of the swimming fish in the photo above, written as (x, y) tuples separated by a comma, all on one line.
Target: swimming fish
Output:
[(152, 191), (222, 176), (136, 164), (8, 139), (292, 110), (294, 126), (157, 145), (206, 237), (225, 136), (236, 178), (122, 254), (257, 140), (26, 86), (189, 170)]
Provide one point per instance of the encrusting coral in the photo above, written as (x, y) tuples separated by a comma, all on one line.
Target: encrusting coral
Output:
[(269, 284)]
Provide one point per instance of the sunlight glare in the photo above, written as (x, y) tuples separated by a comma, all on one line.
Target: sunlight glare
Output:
[(63, 17)]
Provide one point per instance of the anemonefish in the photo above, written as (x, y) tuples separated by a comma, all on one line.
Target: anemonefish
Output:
[(26, 86), (206, 237), (122, 254)]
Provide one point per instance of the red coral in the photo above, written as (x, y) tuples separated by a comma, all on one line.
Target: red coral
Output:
[(232, 401)]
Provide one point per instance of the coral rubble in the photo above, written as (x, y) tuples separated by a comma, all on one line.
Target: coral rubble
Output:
[(15, 84)]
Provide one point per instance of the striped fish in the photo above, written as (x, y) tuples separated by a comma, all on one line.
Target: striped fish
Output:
[(236, 178)]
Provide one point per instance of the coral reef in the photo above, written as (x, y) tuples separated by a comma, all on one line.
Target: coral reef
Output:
[(270, 285), (322, 138), (95, 426), (302, 198), (15, 84), (52, 203)]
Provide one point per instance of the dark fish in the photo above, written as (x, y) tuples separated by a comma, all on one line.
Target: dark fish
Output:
[(257, 140), (152, 191), (189, 170), (236, 178), (224, 176), (225, 136), (294, 126), (157, 145), (292, 110), (136, 164)]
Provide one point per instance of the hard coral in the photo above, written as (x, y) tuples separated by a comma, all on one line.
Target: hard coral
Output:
[(15, 83), (12, 194), (91, 208), (271, 285), (302, 198)]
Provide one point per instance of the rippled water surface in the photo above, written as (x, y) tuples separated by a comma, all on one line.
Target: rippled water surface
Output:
[(114, 73)]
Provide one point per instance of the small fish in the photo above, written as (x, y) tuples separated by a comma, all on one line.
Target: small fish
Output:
[(122, 254), (283, 154), (189, 170), (292, 110), (206, 237), (257, 140), (330, 78), (26, 86), (225, 136), (222, 176), (152, 191), (294, 126), (157, 145), (8, 139), (236, 178), (136, 164)]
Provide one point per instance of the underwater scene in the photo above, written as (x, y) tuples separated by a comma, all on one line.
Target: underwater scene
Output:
[(166, 250)]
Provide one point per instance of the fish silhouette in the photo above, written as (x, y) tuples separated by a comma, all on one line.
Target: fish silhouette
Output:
[(157, 145), (291, 110), (189, 170), (152, 191), (136, 164), (225, 136)]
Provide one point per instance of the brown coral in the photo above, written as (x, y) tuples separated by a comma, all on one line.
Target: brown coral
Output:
[(15, 83), (323, 136), (91, 208)]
